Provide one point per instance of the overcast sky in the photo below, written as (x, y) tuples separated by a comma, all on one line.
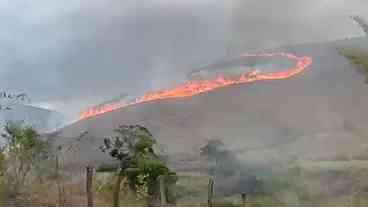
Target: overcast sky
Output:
[(70, 54)]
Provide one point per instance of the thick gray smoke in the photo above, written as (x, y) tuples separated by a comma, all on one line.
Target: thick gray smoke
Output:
[(263, 24), (71, 55), (67, 56)]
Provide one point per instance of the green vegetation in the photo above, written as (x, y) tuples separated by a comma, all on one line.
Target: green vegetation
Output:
[(358, 57), (138, 163), (104, 188), (191, 187), (28, 178), (20, 159)]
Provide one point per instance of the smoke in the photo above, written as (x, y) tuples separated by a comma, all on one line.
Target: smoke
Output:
[(67, 56), (268, 24)]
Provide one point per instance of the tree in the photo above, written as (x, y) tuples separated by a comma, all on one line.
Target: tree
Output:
[(221, 161), (362, 23), (213, 149), (7, 99), (226, 168), (21, 153), (138, 162)]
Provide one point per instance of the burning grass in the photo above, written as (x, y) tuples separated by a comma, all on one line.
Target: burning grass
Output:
[(193, 88)]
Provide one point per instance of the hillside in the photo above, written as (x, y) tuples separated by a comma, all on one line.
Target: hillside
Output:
[(39, 118), (319, 114)]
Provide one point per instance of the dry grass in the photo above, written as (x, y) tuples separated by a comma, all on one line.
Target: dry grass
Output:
[(46, 194)]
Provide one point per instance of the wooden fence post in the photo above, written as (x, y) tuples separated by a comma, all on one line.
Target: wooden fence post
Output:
[(244, 199), (116, 195), (89, 183), (59, 183), (163, 197), (210, 192)]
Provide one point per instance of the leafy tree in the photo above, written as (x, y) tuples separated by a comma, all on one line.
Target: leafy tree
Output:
[(213, 149), (21, 153), (138, 162), (221, 161), (223, 164)]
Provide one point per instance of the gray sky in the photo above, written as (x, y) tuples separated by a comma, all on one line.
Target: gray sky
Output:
[(70, 54)]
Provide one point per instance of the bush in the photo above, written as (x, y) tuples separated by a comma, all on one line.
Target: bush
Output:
[(20, 159)]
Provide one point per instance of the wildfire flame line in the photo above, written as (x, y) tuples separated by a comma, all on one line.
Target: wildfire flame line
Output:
[(192, 88)]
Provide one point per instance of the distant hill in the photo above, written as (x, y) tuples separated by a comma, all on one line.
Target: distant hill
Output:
[(41, 119), (319, 114)]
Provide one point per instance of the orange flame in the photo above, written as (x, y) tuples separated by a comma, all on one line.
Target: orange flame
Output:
[(192, 88)]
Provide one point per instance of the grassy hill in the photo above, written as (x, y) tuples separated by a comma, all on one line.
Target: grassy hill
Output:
[(305, 138), (318, 114)]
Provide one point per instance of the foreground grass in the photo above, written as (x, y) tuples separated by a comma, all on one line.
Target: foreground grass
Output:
[(193, 191)]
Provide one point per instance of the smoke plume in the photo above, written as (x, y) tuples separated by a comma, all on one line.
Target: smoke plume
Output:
[(67, 56)]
